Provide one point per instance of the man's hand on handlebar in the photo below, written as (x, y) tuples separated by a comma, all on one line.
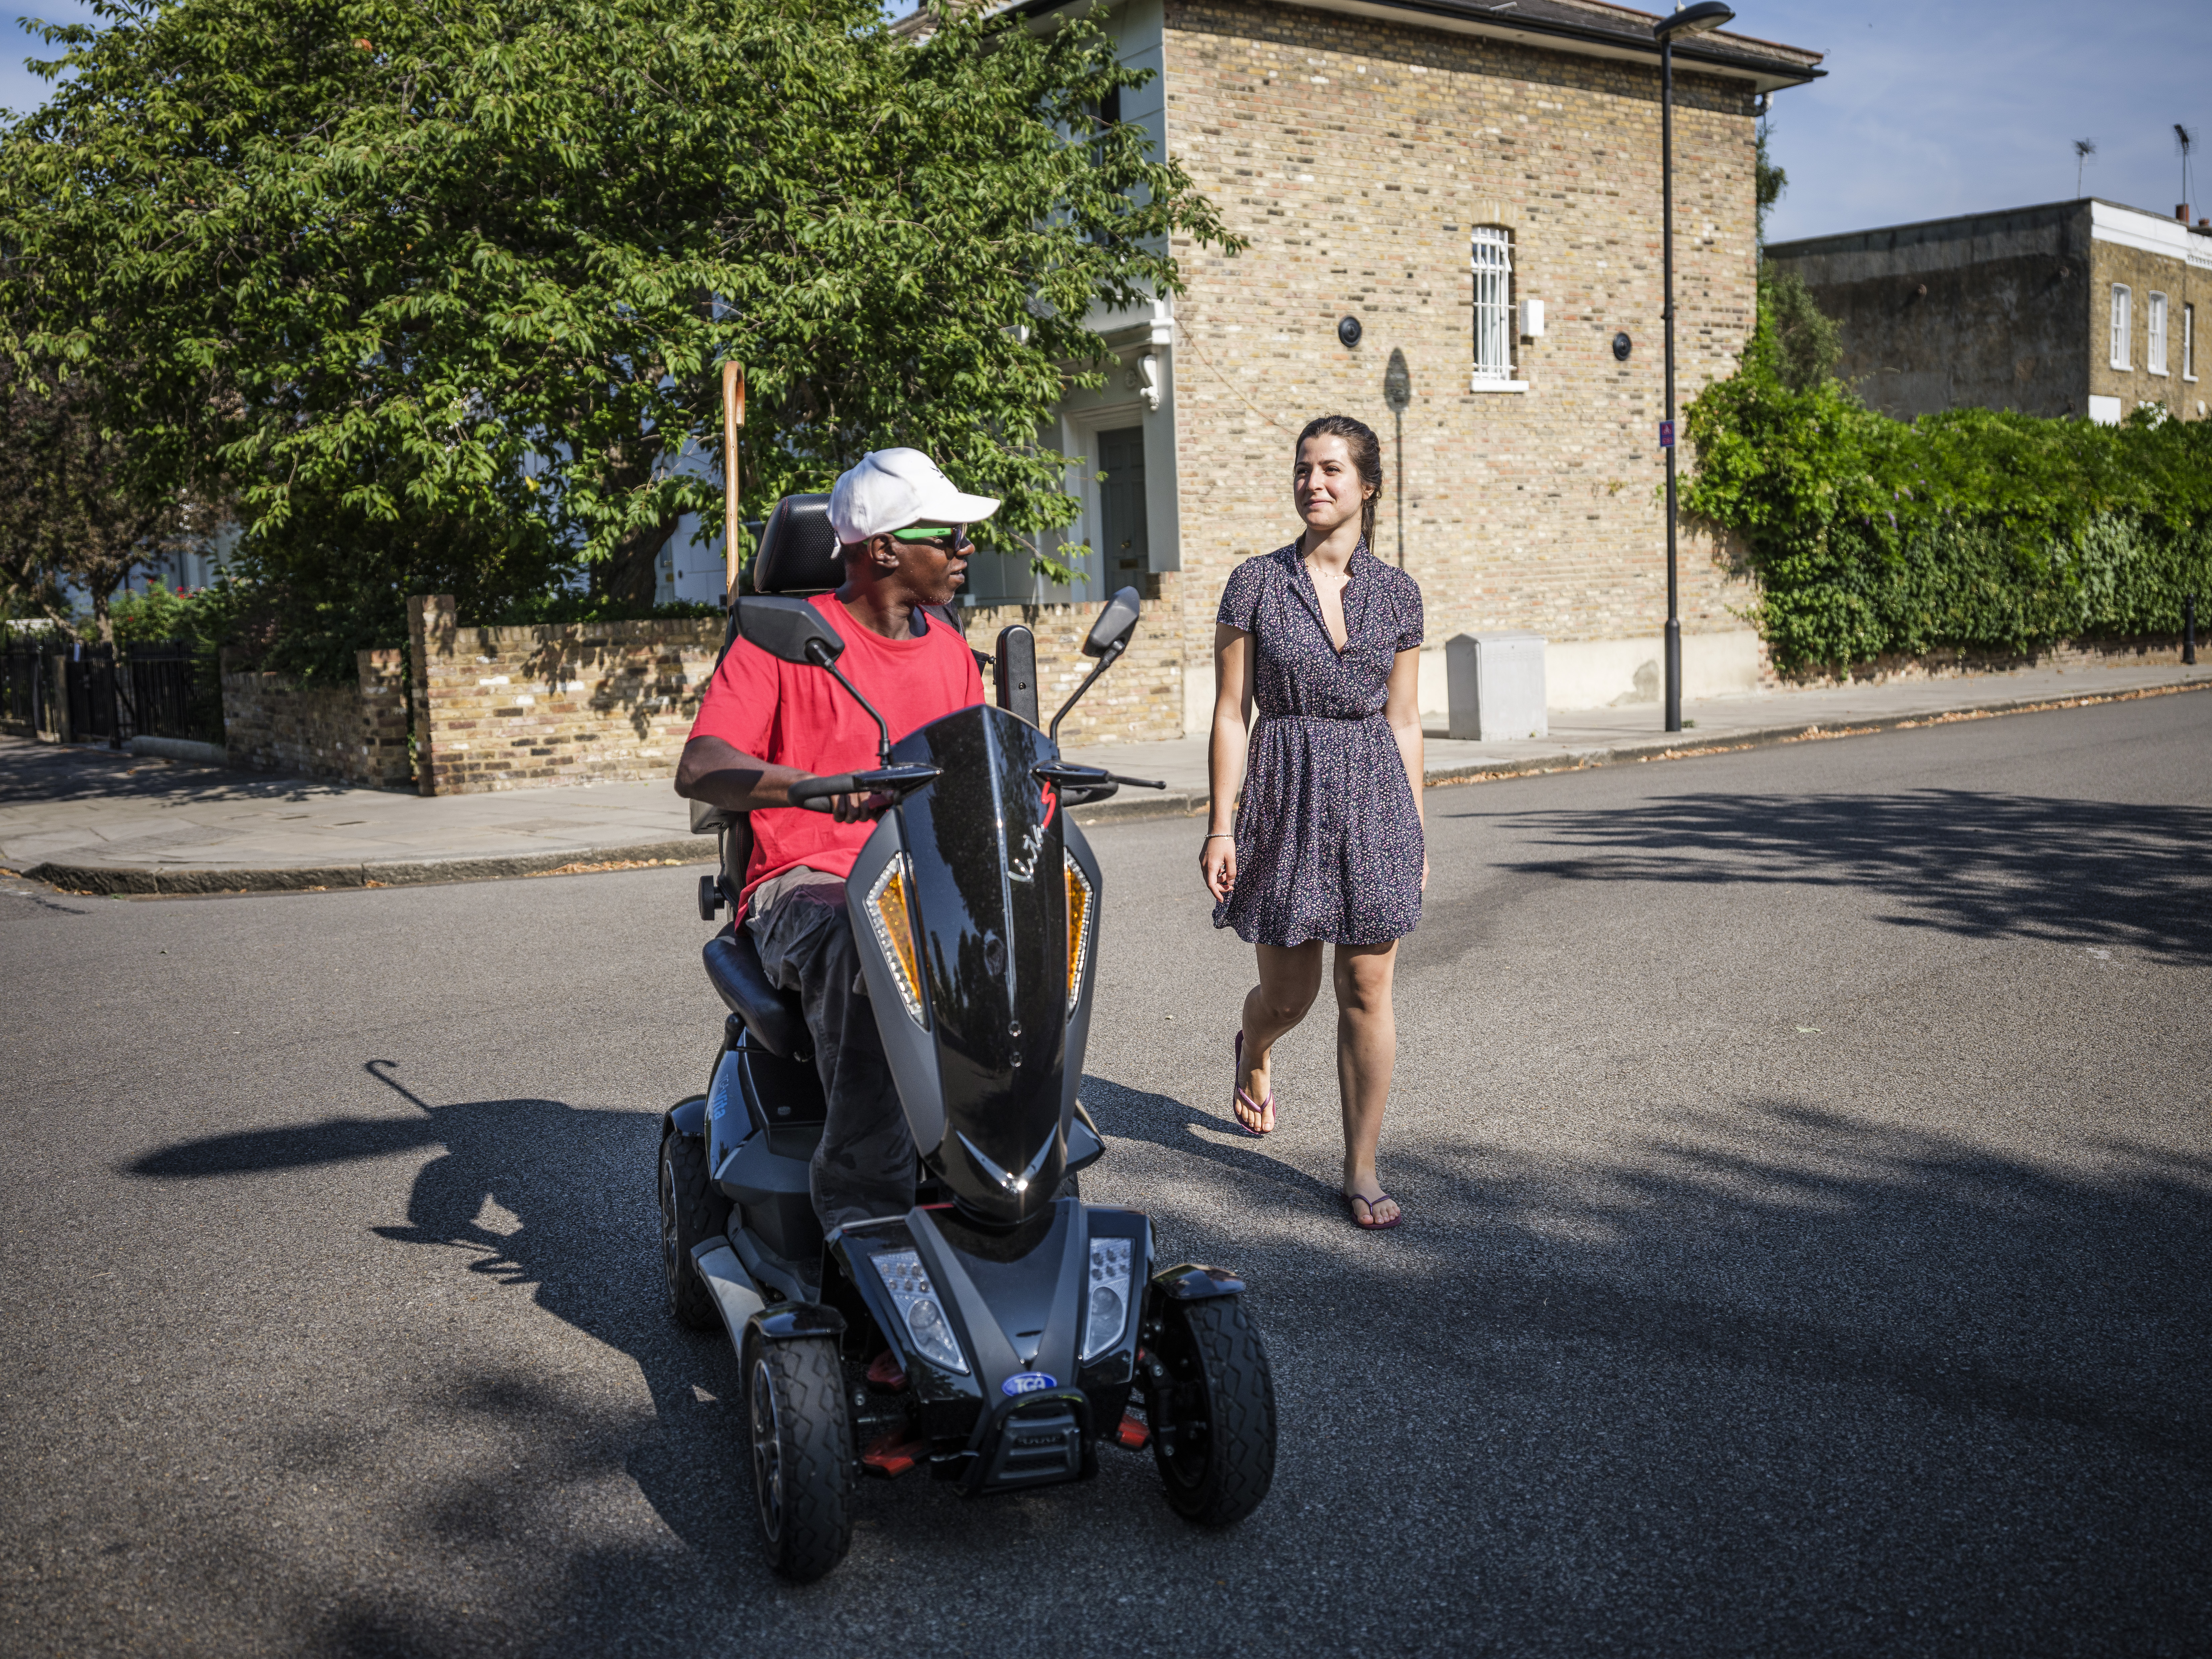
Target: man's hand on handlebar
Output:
[(861, 809)]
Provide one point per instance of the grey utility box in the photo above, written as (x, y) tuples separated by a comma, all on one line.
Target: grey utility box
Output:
[(1496, 685)]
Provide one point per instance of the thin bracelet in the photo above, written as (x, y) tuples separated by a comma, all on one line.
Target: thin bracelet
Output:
[(1221, 835)]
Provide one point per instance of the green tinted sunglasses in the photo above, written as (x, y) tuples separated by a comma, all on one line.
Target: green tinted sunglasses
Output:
[(954, 536)]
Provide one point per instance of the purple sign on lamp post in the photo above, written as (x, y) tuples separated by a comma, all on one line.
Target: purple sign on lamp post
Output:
[(1666, 435)]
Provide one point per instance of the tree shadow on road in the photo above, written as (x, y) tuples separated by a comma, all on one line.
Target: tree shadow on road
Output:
[(1969, 862), (1776, 1378), (1166, 1123), (546, 1164)]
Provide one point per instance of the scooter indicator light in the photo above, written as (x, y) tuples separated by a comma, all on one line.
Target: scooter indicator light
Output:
[(1079, 930), (891, 913), (915, 1297), (1108, 1313)]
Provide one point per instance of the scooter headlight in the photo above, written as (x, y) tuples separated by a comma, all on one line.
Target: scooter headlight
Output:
[(891, 911), (917, 1302), (1079, 930), (1108, 1314)]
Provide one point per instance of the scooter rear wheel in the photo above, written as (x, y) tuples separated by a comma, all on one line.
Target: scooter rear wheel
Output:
[(690, 1211), (1211, 1403), (802, 1453)]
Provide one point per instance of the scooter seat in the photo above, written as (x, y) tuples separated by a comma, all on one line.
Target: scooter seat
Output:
[(770, 1013)]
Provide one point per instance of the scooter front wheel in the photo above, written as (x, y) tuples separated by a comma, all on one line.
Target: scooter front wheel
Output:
[(802, 1446), (1211, 1401)]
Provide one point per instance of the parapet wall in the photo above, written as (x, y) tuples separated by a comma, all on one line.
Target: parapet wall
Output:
[(532, 707), (347, 733)]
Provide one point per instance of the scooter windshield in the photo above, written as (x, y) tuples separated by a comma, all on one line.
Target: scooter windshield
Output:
[(990, 893)]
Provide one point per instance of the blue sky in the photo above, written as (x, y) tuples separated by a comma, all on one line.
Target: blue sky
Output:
[(1930, 107)]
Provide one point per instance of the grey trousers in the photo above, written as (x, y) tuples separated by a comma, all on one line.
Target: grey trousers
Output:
[(865, 1164)]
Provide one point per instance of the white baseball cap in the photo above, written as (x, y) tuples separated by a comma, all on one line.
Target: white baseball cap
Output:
[(891, 488)]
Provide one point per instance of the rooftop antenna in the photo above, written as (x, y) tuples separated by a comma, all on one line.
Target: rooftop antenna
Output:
[(2187, 141), (2083, 149)]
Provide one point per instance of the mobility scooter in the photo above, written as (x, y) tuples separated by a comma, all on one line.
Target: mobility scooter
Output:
[(1000, 1332)]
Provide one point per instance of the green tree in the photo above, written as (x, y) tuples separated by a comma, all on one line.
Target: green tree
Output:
[(1808, 342), (1768, 182), (1972, 529), (444, 291), (74, 509)]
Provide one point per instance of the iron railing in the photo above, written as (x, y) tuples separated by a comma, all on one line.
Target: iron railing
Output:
[(107, 697)]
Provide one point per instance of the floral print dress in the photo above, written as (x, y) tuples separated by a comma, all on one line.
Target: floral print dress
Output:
[(1329, 839)]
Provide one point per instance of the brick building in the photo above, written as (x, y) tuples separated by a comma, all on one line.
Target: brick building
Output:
[(2081, 307), (1479, 186)]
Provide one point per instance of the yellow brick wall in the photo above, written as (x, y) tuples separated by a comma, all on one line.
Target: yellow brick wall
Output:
[(2145, 273), (349, 733), (526, 708), (529, 708), (1139, 700), (1356, 156)]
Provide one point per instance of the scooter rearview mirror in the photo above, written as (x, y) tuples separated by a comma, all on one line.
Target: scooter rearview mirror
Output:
[(789, 629), (1114, 625)]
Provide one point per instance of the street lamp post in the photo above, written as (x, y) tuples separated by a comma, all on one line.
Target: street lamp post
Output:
[(1691, 20)]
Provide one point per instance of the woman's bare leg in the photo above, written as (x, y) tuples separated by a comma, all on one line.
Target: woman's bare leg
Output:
[(1290, 980), (1366, 1054)]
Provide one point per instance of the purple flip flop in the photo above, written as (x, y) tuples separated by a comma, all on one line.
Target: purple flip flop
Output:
[(1353, 1200), (1257, 1108)]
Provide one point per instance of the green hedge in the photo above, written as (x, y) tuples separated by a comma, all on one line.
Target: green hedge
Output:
[(1969, 530)]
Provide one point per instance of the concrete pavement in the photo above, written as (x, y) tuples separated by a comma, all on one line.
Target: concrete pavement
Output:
[(87, 821), (90, 821), (1808, 1163)]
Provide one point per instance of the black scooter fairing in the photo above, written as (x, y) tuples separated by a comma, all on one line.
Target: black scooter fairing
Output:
[(983, 1074)]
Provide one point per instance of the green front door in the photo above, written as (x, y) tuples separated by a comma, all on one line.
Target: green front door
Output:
[(1124, 548)]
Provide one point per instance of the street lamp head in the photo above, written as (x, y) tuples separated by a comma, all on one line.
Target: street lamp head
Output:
[(1693, 20)]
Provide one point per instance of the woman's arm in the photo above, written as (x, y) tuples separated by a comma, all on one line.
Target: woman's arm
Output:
[(1224, 757), (1403, 711)]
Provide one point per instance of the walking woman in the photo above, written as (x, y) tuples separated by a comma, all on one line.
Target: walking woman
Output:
[(1323, 639)]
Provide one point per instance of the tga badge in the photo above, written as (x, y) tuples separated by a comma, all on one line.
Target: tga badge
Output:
[(1027, 1382)]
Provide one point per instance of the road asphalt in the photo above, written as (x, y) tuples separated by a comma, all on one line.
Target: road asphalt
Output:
[(1809, 1180)]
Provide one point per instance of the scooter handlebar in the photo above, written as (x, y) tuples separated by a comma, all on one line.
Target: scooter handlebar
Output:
[(819, 794)]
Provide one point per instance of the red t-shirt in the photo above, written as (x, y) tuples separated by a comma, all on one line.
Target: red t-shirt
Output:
[(795, 715)]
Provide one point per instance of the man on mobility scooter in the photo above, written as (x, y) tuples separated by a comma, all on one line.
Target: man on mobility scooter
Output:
[(876, 1197), (765, 725)]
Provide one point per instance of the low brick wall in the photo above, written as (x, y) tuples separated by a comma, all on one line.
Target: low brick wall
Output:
[(346, 734), (534, 708), (605, 703), (1139, 700), (1900, 668)]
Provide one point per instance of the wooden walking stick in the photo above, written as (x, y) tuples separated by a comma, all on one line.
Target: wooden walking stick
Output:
[(733, 419)]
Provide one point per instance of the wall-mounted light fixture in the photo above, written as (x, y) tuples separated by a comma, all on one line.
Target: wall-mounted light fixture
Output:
[(1622, 346), (1348, 330)]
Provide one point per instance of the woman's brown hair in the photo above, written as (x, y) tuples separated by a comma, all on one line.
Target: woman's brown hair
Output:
[(1366, 457)]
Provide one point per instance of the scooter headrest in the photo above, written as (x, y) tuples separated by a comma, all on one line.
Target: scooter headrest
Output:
[(798, 552)]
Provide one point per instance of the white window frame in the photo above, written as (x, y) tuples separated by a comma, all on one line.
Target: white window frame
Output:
[(1490, 261), (2121, 302), (2154, 333), (2188, 343)]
